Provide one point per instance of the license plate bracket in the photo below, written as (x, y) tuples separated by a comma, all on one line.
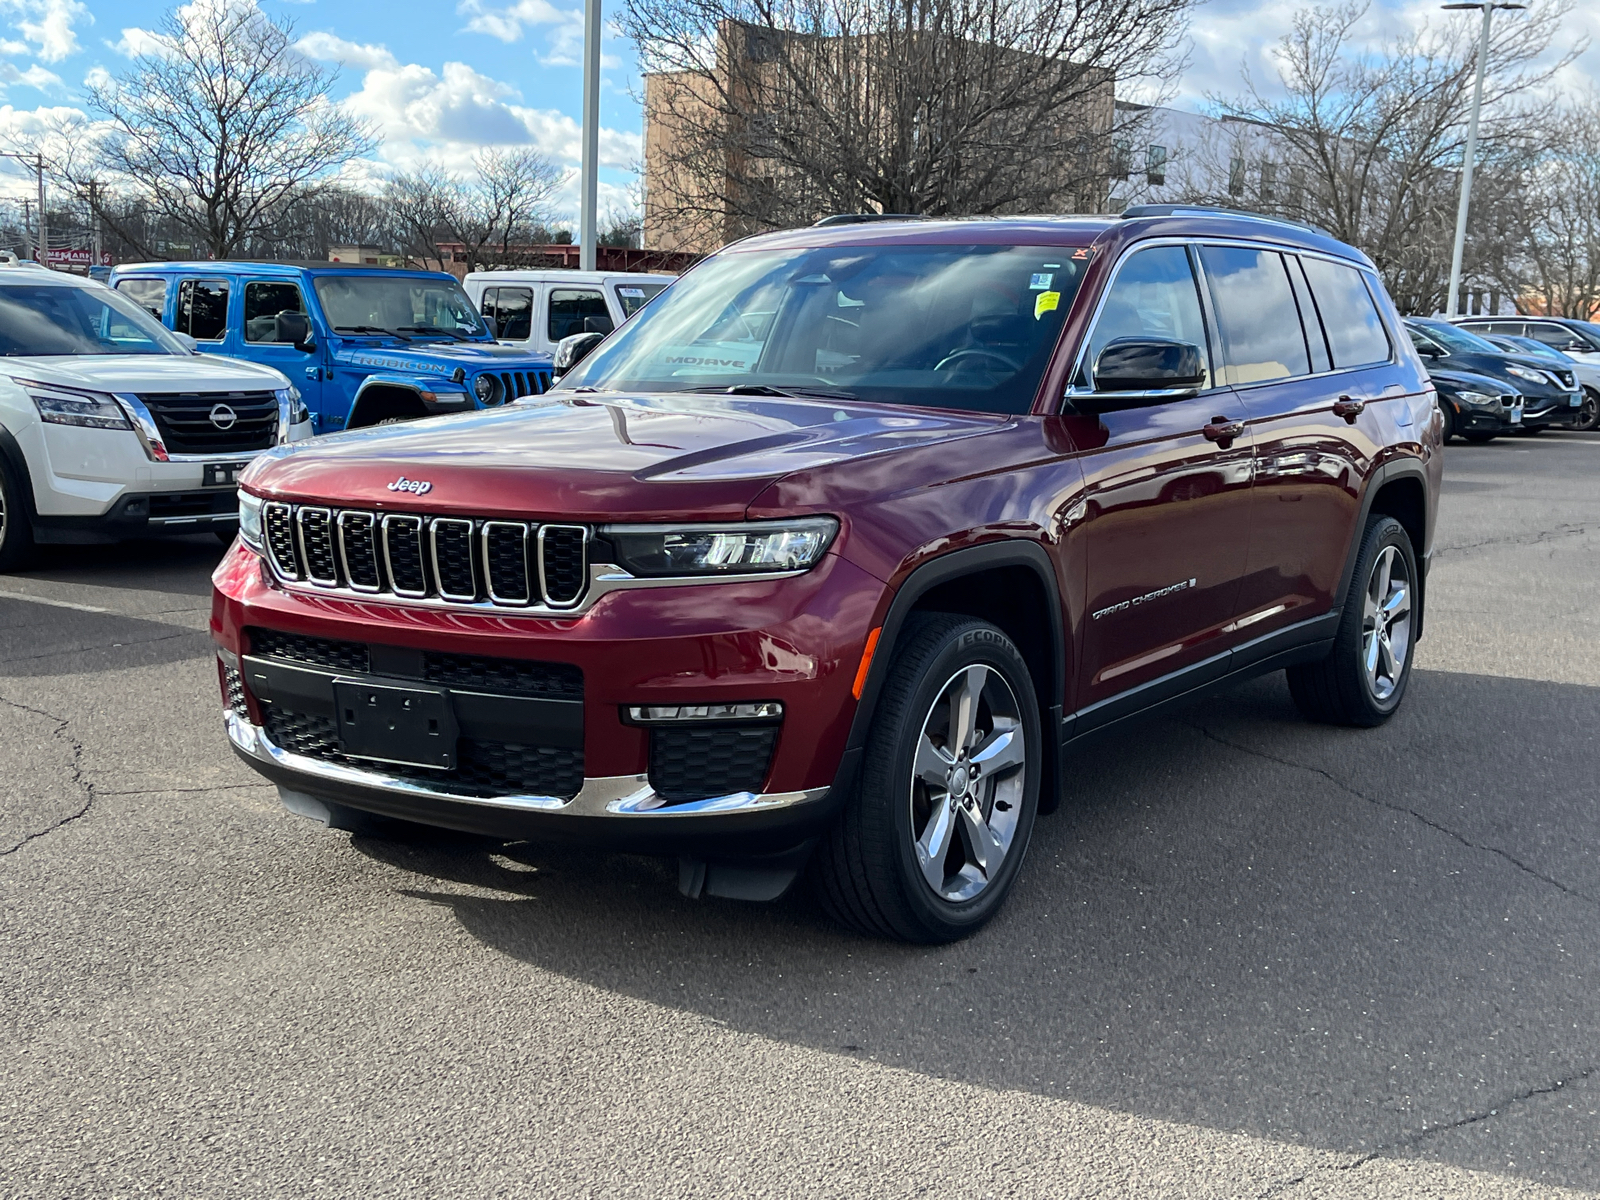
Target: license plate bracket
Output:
[(222, 474), (411, 726)]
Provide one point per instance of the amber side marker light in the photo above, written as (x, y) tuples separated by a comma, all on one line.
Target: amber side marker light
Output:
[(866, 662)]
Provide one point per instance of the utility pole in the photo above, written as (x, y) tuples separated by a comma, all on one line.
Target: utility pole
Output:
[(94, 216), (44, 236), (589, 188), (1452, 304), (27, 228)]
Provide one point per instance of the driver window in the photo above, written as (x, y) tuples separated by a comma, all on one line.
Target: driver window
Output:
[(1153, 295), (263, 303)]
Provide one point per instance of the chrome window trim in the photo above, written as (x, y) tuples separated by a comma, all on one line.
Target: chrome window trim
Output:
[(624, 796), (300, 544), (1197, 241), (433, 556), (488, 575), (344, 557), (544, 591), (388, 565)]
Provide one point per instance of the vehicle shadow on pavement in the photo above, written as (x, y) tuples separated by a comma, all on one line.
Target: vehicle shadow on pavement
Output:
[(179, 565), (40, 641), (1372, 941)]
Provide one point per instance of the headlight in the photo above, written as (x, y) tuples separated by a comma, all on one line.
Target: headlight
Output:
[(298, 411), (738, 548), (250, 520), (64, 406), (1527, 373), (483, 388), (1478, 398)]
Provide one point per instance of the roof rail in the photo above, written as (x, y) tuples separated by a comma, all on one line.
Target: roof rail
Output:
[(859, 218), (1215, 210)]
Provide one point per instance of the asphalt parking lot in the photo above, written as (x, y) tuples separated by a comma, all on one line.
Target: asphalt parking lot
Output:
[(1249, 957)]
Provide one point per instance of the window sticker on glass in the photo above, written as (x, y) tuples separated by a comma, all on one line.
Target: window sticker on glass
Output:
[(1040, 281), (630, 291), (712, 358), (1045, 302)]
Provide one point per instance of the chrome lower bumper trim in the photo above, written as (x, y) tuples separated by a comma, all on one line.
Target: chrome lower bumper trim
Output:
[(626, 796)]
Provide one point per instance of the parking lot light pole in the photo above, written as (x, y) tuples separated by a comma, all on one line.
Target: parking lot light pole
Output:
[(589, 187), (1452, 304)]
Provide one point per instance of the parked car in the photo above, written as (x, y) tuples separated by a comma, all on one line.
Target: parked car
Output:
[(537, 309), (365, 345), (1587, 373), (1549, 393), (1579, 339), (1476, 407), (112, 427), (835, 552)]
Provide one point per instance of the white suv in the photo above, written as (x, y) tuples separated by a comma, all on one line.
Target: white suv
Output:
[(111, 426), (536, 309)]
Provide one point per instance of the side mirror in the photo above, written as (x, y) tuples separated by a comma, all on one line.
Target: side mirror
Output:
[(1139, 372), (570, 351), (295, 327), (600, 325), (1428, 351), (189, 344)]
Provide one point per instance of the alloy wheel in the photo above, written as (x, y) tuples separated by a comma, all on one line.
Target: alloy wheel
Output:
[(1386, 623), (967, 783)]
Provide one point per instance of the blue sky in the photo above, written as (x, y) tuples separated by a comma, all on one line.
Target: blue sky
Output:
[(441, 79)]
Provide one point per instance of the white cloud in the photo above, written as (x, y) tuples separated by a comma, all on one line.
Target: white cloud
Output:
[(135, 41), (35, 76), (564, 27), (326, 47), (46, 27)]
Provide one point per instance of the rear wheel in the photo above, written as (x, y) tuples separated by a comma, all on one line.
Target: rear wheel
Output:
[(1363, 679), (1449, 422), (1589, 413), (930, 842), (16, 533)]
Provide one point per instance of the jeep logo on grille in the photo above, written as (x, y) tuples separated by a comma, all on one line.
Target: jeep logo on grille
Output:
[(417, 487), (223, 417)]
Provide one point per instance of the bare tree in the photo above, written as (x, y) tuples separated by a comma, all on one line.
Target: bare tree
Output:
[(506, 204), (217, 127), (762, 114), (1556, 229), (1374, 140)]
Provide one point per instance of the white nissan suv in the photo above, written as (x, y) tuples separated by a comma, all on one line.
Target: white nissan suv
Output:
[(112, 426)]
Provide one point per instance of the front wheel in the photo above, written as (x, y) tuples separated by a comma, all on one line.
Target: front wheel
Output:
[(16, 534), (1364, 677), (1589, 413), (1449, 422), (931, 840)]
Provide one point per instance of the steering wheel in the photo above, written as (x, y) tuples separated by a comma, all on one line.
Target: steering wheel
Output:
[(973, 352)]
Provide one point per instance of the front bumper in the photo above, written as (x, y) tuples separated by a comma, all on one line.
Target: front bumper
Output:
[(797, 641)]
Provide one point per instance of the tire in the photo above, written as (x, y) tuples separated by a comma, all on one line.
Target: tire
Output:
[(225, 536), (1343, 689), (16, 532), (1531, 430), (1479, 439), (1589, 415), (1449, 422), (911, 794)]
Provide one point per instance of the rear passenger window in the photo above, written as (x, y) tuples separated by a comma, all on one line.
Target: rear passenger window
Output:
[(634, 296), (1316, 341), (512, 311), (570, 307), (148, 294), (202, 309), (1154, 295), (1355, 331), (1261, 335), (262, 304)]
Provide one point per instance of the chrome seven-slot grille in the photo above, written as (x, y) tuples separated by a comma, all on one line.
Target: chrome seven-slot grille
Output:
[(461, 560)]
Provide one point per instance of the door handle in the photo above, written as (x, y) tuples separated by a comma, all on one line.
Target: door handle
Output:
[(1348, 408), (1222, 431)]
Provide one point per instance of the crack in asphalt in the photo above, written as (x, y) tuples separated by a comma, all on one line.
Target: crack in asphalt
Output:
[(1401, 808), (220, 787), (1542, 535), (60, 731), (166, 637)]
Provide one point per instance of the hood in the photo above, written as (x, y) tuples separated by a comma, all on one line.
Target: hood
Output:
[(1467, 381), (440, 358), (1494, 366), (599, 458), (148, 372)]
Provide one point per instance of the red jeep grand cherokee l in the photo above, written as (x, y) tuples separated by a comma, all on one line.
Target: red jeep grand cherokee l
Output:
[(832, 552)]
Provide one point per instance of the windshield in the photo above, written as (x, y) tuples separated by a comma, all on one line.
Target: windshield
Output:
[(1525, 345), (1455, 338), (396, 304), (968, 327), (50, 319)]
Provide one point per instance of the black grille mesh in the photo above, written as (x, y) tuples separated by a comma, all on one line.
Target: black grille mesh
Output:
[(403, 538), (505, 554), (234, 687), (313, 651), (280, 538), (187, 425), (360, 550), (316, 539), (554, 681), (564, 574), (452, 554), (692, 764)]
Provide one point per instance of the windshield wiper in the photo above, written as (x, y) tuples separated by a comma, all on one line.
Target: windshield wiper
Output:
[(766, 389), (449, 333), (370, 329)]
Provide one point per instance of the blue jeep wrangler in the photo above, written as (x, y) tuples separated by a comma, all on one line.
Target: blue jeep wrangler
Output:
[(363, 344)]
